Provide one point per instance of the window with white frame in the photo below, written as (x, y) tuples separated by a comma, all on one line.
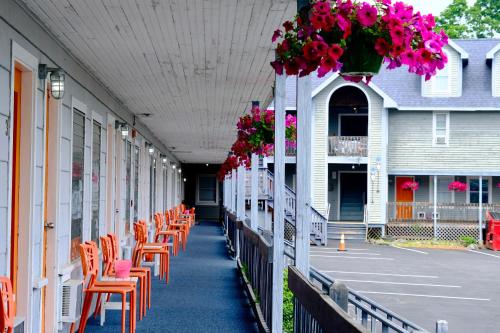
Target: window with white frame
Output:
[(77, 182), (440, 83), (441, 128), (474, 190), (206, 192), (96, 180), (444, 195)]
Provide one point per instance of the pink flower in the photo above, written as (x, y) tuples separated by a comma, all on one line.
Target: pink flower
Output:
[(335, 51), (382, 47), (397, 35), (277, 33), (278, 66), (408, 58), (322, 7), (367, 15), (288, 26)]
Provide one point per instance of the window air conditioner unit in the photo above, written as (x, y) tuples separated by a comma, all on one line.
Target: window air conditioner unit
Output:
[(421, 215), (441, 140), (71, 300)]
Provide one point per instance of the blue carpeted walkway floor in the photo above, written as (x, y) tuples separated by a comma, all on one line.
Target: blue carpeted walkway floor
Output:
[(203, 294)]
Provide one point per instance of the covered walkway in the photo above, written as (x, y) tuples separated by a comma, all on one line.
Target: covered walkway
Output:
[(203, 294)]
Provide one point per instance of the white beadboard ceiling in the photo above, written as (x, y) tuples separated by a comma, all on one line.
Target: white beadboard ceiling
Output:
[(196, 65)]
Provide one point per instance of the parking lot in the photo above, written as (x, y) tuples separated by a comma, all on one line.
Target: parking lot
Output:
[(423, 285)]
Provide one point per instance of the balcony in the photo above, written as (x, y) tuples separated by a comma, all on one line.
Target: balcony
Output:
[(348, 146)]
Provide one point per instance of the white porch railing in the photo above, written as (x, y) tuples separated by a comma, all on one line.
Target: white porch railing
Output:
[(446, 212), (356, 146)]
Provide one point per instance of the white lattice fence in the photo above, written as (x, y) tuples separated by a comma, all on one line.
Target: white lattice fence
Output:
[(451, 231)]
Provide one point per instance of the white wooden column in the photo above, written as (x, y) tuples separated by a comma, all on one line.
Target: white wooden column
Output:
[(279, 203), (434, 214), (240, 203), (233, 191), (303, 191), (254, 209), (480, 218)]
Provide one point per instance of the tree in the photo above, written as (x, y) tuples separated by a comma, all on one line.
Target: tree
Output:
[(481, 20)]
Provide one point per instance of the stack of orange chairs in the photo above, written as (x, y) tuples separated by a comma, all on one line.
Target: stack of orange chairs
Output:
[(143, 248), (89, 255), (165, 234)]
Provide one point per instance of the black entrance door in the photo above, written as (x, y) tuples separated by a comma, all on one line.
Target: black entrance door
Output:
[(352, 196)]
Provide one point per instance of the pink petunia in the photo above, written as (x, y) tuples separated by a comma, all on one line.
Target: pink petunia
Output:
[(408, 58), (382, 47), (367, 15), (335, 51), (397, 35), (277, 33)]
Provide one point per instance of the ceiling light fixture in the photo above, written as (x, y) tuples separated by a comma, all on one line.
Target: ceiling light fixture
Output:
[(123, 127)]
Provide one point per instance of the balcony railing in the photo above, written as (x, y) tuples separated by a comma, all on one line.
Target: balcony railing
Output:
[(356, 146), (445, 212)]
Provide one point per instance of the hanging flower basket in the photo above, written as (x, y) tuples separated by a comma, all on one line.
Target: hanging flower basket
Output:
[(457, 186), (256, 136), (355, 38), (498, 185), (410, 185)]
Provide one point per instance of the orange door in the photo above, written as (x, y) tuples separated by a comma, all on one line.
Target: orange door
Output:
[(404, 211), (16, 145)]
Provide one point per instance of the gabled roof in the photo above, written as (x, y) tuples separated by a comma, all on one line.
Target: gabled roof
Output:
[(491, 53), (404, 89)]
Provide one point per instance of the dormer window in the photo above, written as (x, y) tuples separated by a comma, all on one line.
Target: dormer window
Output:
[(441, 81)]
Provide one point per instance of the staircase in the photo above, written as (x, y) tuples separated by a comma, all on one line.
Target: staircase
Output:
[(266, 192), (351, 230)]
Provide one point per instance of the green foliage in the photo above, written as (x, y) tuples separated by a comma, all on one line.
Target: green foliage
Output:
[(481, 20), (468, 240), (287, 305)]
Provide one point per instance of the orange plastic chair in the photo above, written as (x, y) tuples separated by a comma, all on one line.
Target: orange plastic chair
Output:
[(109, 260), (143, 248), (7, 305), (166, 234), (182, 228), (90, 262), (136, 266)]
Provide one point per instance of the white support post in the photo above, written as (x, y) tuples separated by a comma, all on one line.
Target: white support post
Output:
[(279, 203), (434, 214), (233, 191), (254, 209), (303, 212), (480, 217), (240, 204)]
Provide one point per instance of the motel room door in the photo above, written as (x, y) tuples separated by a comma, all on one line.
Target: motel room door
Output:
[(403, 211)]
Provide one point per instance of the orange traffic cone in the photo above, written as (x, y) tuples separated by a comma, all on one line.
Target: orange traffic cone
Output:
[(342, 243)]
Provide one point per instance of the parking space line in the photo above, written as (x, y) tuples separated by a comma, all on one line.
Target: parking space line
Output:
[(349, 257), (346, 253), (385, 274), (412, 250), (428, 296), (403, 283), (485, 254), (334, 249)]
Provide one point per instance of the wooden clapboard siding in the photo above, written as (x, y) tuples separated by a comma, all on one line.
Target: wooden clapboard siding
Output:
[(455, 77), (193, 64), (495, 76), (376, 149), (474, 143)]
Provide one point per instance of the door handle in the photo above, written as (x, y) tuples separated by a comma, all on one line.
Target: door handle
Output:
[(49, 225)]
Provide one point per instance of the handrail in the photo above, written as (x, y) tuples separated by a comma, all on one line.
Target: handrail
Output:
[(386, 317), (348, 146)]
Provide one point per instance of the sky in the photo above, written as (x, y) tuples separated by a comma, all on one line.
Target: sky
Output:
[(431, 6)]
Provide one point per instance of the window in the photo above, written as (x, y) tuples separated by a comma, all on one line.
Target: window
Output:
[(96, 179), (443, 194), (206, 193), (128, 175), (474, 190), (441, 81), (441, 128), (77, 182)]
